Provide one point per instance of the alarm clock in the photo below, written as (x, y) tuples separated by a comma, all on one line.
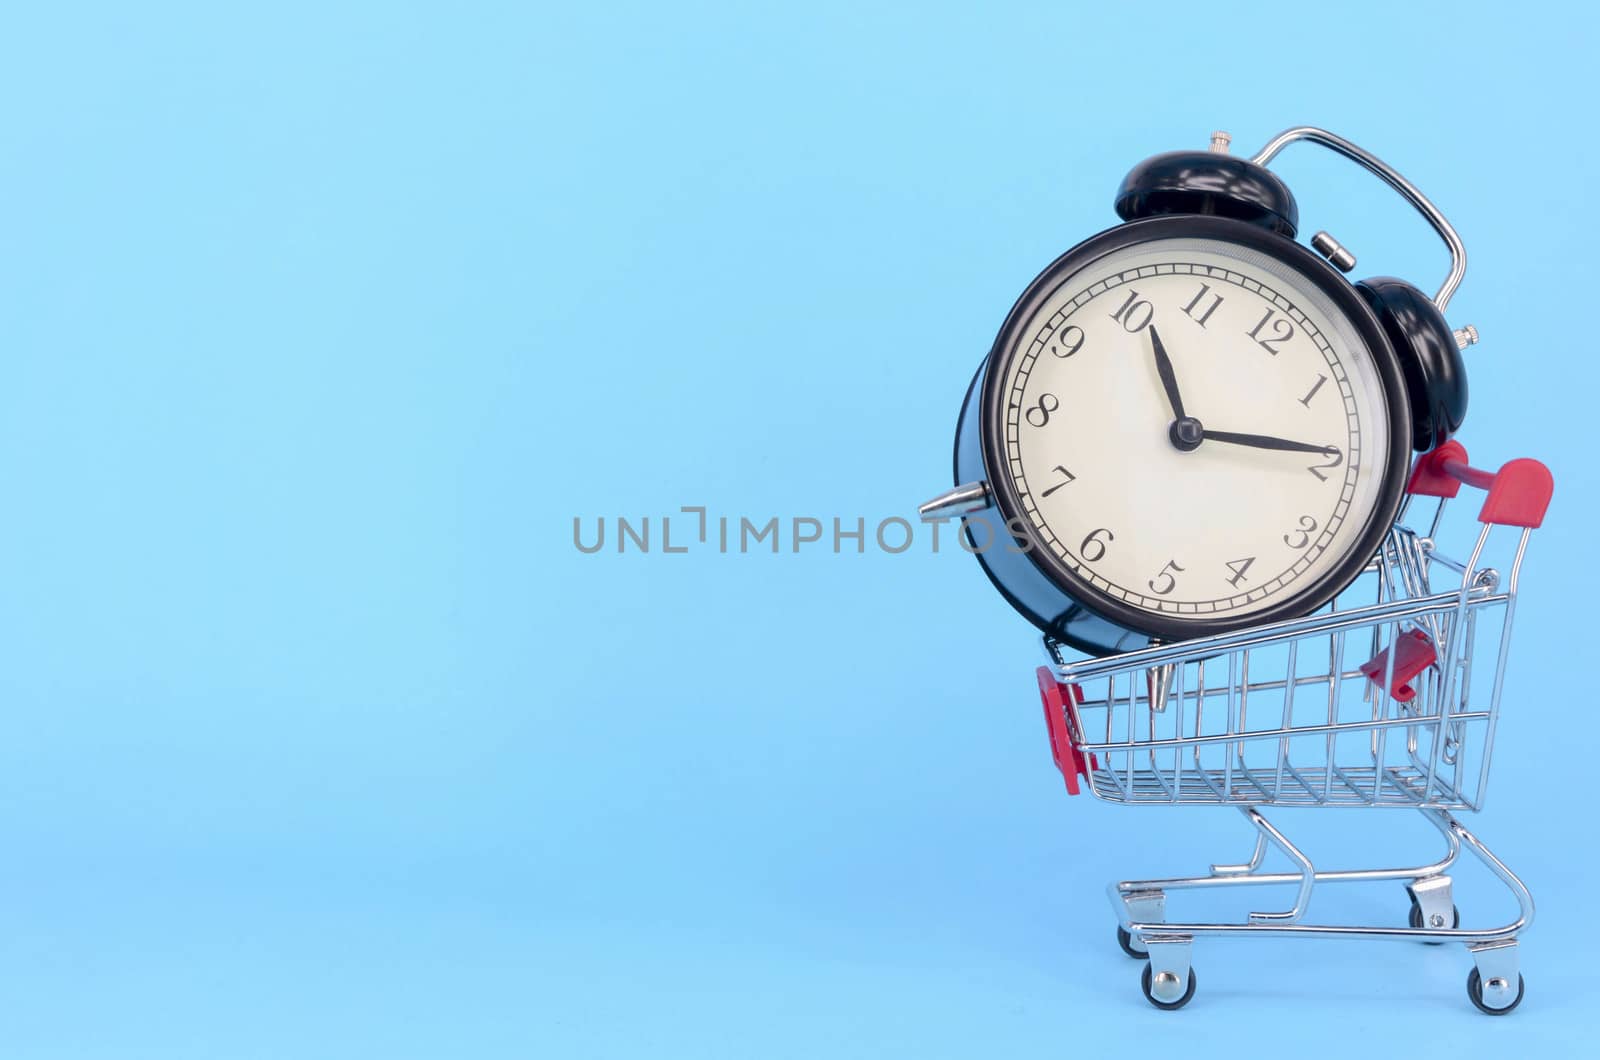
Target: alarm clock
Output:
[(1191, 423)]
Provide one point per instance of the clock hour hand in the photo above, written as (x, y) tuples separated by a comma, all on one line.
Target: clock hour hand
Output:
[(1262, 441), (1169, 378)]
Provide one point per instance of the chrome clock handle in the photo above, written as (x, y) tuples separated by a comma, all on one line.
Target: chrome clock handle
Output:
[(1377, 166)]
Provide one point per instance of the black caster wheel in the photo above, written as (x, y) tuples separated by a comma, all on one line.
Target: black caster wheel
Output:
[(1146, 983), (1415, 919), (1475, 992), (1125, 940)]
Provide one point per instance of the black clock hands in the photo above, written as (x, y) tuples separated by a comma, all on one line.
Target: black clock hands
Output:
[(1169, 378), (1184, 431), (1262, 441), (1187, 432)]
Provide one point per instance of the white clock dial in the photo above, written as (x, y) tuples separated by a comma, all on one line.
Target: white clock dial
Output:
[(1258, 491)]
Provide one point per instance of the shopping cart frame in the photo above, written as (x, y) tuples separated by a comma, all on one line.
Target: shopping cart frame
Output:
[(1431, 706)]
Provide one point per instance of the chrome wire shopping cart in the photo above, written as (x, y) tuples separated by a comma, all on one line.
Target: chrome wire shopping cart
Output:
[(1389, 704)]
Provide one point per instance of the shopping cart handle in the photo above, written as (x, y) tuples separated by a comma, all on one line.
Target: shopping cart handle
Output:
[(1519, 492)]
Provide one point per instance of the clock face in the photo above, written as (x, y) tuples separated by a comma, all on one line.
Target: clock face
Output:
[(1195, 430)]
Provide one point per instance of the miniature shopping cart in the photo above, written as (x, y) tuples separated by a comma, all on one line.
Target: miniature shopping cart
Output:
[(1392, 704)]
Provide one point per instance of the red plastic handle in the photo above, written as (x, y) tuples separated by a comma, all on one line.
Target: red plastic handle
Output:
[(1072, 762), (1519, 493)]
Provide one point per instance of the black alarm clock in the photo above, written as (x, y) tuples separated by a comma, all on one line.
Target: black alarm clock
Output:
[(1191, 423)]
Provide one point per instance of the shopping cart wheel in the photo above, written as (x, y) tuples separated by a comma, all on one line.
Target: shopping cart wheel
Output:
[(1125, 940), (1416, 920), (1474, 991), (1146, 982)]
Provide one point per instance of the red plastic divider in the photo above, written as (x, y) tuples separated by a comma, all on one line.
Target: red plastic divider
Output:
[(1414, 654)]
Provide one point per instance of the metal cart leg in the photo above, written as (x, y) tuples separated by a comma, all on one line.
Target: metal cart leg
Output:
[(1495, 983), (1249, 873), (1264, 833), (1143, 907), (1432, 904)]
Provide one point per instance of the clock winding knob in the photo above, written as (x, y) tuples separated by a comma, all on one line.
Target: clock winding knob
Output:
[(1467, 336)]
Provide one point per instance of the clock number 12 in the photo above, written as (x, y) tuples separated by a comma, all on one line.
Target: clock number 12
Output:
[(1282, 332)]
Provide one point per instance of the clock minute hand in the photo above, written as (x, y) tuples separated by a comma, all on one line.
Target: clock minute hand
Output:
[(1262, 441), (1169, 378)]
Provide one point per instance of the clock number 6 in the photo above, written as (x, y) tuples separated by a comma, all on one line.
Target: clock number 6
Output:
[(1093, 541), (1282, 332), (1166, 572), (1038, 415)]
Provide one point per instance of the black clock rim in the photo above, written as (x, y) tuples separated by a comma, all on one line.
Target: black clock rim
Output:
[(1319, 273)]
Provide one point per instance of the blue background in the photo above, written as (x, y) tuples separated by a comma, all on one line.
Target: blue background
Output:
[(319, 326)]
